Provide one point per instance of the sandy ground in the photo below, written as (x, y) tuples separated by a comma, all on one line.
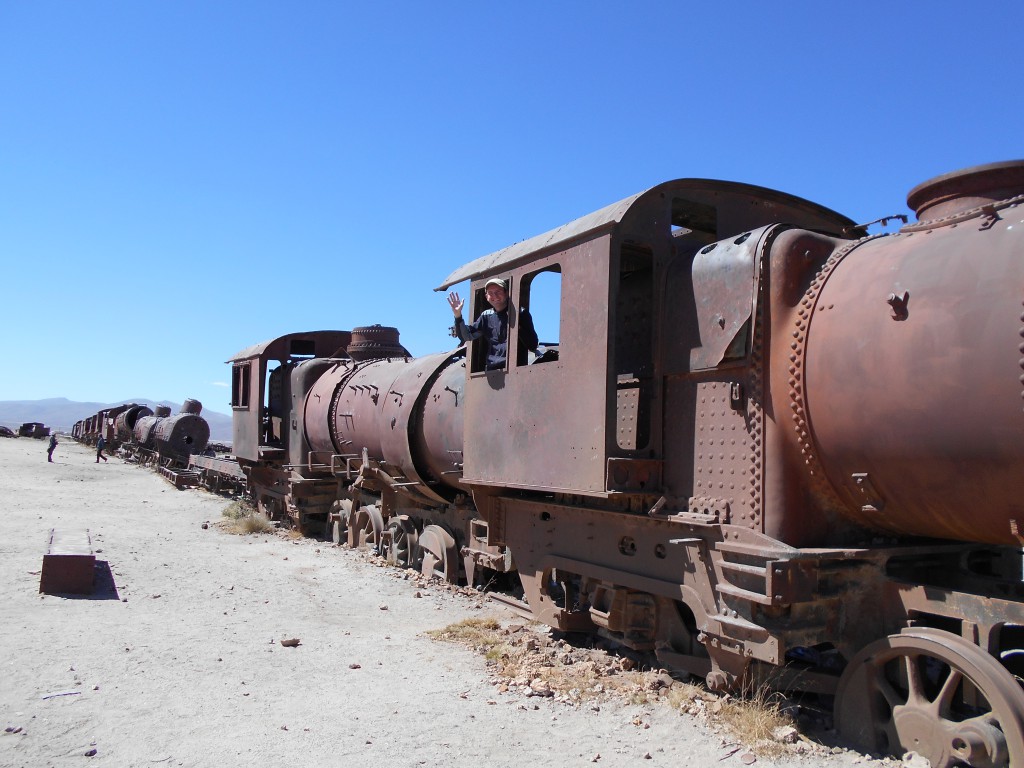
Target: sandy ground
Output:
[(178, 661)]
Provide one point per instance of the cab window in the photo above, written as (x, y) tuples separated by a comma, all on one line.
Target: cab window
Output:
[(542, 297)]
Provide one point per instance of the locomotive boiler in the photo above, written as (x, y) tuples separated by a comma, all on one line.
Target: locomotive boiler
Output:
[(124, 422), (163, 437), (759, 444)]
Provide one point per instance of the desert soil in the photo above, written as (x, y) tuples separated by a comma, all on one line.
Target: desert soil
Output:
[(178, 660)]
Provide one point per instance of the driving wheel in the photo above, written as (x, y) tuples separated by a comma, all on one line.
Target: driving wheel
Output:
[(438, 556), (366, 528), (400, 541), (337, 521), (934, 693)]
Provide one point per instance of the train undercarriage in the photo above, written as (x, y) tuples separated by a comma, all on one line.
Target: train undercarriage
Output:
[(929, 664)]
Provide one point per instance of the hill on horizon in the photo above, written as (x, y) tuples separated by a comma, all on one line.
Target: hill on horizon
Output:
[(59, 413)]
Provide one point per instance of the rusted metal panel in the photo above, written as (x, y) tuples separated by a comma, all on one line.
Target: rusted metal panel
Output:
[(713, 468), (247, 417), (69, 565), (723, 288), (629, 475), (547, 425)]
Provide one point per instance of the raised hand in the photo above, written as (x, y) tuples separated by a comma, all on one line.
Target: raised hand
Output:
[(455, 303)]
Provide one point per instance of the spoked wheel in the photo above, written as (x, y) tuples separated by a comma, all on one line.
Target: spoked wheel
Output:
[(338, 520), (438, 556), (366, 528), (933, 693), (400, 541)]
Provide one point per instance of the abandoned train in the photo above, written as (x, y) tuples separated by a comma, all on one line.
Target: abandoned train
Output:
[(142, 435), (761, 444)]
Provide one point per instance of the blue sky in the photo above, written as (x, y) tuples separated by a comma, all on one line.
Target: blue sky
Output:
[(179, 180)]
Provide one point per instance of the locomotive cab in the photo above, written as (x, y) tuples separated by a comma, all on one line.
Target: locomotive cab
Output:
[(587, 417), (260, 401)]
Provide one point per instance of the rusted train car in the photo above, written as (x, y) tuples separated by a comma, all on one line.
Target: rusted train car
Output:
[(142, 435), (761, 444), (33, 429), (103, 424)]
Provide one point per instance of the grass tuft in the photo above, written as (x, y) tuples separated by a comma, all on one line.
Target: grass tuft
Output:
[(244, 519), (480, 633), (524, 660), (755, 717), (238, 509)]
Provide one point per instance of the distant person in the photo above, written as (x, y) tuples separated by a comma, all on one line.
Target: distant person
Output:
[(492, 324), (52, 448), (99, 450)]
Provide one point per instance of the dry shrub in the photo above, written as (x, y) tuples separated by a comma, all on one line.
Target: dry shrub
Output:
[(256, 523), (524, 661), (682, 695), (520, 657), (754, 718), (238, 509), (484, 635), (243, 518)]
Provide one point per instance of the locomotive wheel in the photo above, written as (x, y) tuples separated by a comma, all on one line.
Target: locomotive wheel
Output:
[(401, 541), (338, 520), (438, 556), (936, 694), (365, 528)]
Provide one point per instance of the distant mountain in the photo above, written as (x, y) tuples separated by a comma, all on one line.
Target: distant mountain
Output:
[(60, 414)]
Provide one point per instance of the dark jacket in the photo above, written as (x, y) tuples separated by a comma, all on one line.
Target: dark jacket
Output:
[(493, 328)]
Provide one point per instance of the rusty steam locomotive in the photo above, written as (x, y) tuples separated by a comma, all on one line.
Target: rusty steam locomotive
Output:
[(139, 434), (761, 444)]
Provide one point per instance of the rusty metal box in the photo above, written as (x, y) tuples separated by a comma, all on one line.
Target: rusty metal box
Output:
[(69, 565)]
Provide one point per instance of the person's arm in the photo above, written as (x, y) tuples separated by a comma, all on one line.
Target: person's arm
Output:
[(466, 331), (527, 333)]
